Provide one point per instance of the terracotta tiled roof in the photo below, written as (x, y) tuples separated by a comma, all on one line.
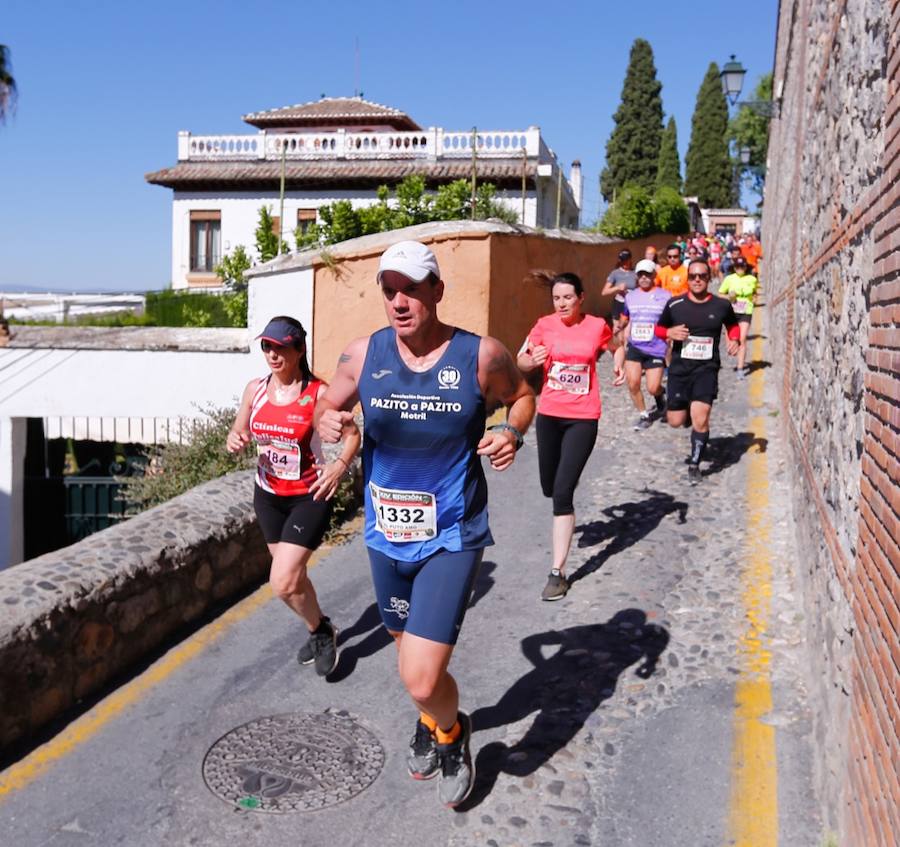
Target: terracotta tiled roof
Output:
[(331, 111), (361, 173)]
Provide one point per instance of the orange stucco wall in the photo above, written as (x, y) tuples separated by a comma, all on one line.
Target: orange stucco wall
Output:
[(486, 287), (517, 301)]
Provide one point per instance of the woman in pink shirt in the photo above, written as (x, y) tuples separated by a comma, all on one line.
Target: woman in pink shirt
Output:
[(566, 344)]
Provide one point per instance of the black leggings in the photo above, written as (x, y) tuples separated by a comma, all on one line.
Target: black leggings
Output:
[(564, 445)]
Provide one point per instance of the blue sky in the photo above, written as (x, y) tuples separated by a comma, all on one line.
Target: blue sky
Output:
[(104, 88)]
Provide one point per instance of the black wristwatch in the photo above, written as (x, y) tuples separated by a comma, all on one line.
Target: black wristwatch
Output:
[(509, 428)]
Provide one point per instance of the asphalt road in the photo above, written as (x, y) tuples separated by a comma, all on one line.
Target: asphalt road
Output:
[(607, 718)]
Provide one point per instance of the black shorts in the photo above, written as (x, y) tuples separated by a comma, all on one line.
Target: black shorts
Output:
[(632, 354), (618, 307), (744, 319), (295, 520), (686, 387)]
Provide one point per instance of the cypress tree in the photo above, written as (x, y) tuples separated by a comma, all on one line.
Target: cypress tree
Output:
[(669, 170), (708, 168), (632, 152)]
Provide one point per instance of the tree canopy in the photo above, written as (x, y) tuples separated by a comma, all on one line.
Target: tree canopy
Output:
[(668, 171), (709, 172), (411, 204), (8, 91), (632, 151)]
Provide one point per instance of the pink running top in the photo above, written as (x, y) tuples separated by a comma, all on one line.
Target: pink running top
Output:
[(571, 389)]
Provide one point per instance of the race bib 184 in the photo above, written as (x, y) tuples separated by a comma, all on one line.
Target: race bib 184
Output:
[(279, 458), (402, 516)]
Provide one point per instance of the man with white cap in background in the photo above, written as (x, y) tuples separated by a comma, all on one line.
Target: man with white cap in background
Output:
[(426, 388)]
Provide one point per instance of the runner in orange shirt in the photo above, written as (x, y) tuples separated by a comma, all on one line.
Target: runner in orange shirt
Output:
[(673, 276)]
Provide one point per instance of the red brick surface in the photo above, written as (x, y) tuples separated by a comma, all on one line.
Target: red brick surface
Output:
[(866, 777)]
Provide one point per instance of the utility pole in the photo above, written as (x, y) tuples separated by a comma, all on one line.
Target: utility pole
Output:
[(281, 202), (474, 167), (559, 176), (524, 172)]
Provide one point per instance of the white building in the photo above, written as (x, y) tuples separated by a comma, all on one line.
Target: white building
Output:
[(342, 149)]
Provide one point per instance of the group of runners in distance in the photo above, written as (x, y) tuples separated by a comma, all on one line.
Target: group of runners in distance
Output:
[(426, 390)]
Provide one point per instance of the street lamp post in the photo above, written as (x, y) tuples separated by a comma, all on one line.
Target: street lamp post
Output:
[(732, 77)]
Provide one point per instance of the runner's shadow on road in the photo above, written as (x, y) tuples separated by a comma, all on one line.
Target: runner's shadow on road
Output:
[(574, 671), (628, 523), (758, 366), (484, 582), (376, 639), (726, 450)]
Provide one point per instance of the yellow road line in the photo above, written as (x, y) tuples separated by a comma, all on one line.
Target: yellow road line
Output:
[(24, 772), (753, 807)]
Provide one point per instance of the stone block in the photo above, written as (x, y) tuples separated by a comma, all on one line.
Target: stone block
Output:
[(203, 577), (94, 640)]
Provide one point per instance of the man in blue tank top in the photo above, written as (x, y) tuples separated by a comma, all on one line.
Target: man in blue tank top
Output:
[(425, 389)]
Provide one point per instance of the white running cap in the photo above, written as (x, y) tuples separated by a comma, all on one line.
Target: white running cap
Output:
[(410, 258), (647, 265)]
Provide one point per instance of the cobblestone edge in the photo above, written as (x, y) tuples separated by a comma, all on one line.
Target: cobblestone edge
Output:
[(74, 618)]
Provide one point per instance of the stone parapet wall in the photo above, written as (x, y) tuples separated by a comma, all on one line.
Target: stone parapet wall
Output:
[(73, 619), (831, 235)]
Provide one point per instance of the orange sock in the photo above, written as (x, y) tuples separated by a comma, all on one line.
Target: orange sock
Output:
[(428, 721), (450, 735)]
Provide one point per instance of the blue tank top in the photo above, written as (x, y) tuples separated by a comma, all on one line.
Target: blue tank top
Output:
[(425, 487)]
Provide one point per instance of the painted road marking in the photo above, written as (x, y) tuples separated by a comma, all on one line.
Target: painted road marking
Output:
[(753, 807), (37, 762)]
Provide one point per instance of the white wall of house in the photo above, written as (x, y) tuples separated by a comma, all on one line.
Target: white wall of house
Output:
[(119, 383), (282, 294)]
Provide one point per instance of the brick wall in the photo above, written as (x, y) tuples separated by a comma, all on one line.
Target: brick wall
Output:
[(831, 232)]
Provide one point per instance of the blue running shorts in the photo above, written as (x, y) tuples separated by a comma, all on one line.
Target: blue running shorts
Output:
[(427, 598)]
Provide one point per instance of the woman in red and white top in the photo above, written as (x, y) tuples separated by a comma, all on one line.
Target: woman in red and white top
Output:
[(293, 491), (567, 345)]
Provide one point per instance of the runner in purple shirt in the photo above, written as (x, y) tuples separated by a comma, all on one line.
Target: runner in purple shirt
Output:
[(645, 352)]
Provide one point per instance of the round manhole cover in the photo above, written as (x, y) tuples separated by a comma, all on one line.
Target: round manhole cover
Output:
[(293, 763)]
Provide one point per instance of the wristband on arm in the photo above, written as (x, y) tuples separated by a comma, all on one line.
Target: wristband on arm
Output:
[(661, 332), (500, 427)]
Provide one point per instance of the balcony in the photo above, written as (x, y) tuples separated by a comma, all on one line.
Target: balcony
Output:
[(433, 143)]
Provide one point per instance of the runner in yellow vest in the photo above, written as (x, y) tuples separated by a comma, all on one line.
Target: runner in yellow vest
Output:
[(740, 287)]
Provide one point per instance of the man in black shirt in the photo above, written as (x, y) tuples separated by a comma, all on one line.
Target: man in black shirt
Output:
[(693, 323)]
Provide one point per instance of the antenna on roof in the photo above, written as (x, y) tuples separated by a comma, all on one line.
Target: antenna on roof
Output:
[(356, 91)]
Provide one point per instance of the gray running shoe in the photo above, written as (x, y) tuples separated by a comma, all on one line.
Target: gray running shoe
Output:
[(694, 476), (741, 374), (324, 648), (643, 422), (556, 587), (457, 768), (306, 655), (422, 758)]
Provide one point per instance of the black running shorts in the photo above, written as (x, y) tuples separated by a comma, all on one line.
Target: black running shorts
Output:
[(632, 354), (295, 520), (700, 385)]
